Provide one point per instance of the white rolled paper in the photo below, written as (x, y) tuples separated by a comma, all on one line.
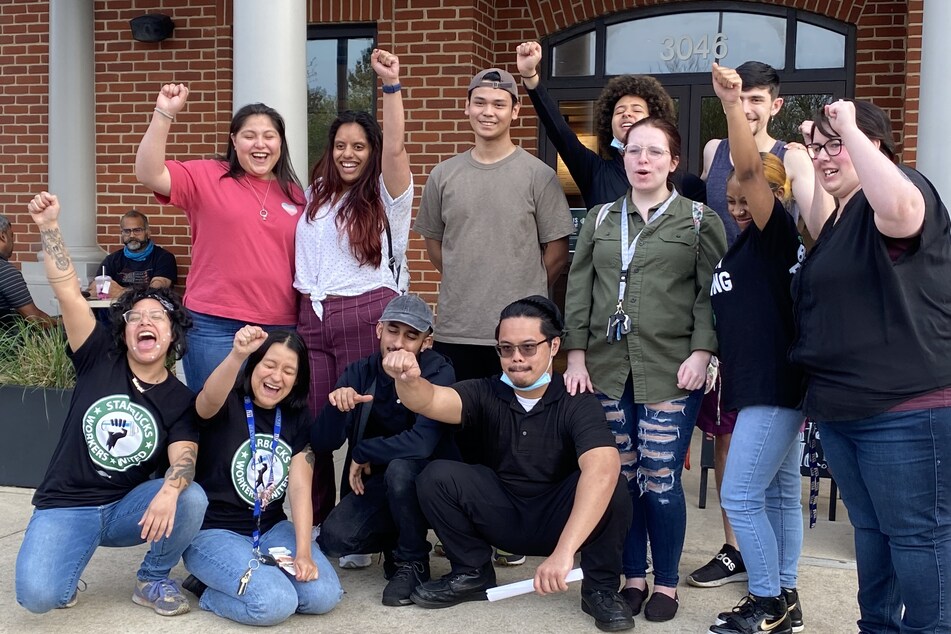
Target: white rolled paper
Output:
[(524, 587)]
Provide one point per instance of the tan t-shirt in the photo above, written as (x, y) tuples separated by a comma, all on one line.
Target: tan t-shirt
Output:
[(492, 220)]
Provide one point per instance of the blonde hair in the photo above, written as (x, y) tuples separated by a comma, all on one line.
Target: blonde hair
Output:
[(775, 173)]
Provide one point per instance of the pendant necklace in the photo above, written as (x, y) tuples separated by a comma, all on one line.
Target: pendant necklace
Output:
[(263, 212), (138, 386)]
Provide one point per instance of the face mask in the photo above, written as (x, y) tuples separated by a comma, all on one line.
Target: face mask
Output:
[(617, 145), (544, 379)]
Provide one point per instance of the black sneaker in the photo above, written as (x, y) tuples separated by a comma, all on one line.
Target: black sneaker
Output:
[(795, 610), (408, 575), (194, 585), (726, 567), (754, 615), (455, 588), (611, 613)]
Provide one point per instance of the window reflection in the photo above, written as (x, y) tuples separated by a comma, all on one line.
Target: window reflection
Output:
[(574, 58), (681, 43), (339, 77), (580, 117), (817, 47), (755, 37)]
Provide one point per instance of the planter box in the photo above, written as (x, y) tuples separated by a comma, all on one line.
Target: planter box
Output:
[(31, 419)]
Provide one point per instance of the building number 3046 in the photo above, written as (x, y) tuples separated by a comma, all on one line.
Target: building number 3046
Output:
[(685, 47)]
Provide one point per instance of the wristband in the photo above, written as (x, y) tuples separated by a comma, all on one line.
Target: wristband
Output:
[(391, 90), (530, 76), (165, 114)]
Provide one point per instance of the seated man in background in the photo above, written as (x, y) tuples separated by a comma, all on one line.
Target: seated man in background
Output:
[(15, 298), (140, 263), (550, 483), (389, 447)]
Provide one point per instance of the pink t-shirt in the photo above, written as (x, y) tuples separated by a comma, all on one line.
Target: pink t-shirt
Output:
[(242, 265)]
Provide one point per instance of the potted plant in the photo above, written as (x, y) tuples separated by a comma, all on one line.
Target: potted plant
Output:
[(36, 381)]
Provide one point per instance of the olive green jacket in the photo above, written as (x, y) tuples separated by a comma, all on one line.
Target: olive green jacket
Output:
[(667, 297)]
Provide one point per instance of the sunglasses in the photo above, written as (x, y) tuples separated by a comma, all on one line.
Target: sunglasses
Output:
[(528, 349)]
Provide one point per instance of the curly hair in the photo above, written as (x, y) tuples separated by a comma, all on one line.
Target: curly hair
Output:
[(659, 103), (179, 318), (361, 214)]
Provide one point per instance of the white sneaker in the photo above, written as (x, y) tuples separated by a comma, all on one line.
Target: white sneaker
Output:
[(356, 561)]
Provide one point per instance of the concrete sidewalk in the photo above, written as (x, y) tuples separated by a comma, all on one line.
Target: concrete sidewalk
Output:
[(827, 587)]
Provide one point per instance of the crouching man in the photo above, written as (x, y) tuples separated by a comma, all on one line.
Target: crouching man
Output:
[(389, 447), (550, 482)]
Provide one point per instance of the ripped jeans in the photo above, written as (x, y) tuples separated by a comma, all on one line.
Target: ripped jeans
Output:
[(653, 440)]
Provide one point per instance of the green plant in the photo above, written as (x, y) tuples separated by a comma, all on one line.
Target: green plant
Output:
[(31, 354)]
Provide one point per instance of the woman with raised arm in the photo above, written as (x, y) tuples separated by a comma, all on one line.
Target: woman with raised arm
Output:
[(754, 322), (243, 208), (255, 430), (640, 332), (351, 247), (873, 323), (128, 415)]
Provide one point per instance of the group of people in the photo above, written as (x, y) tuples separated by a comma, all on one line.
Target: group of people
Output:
[(300, 338)]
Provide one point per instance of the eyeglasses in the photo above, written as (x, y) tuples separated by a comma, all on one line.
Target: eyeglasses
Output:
[(653, 152), (135, 316), (137, 231), (833, 147), (506, 350)]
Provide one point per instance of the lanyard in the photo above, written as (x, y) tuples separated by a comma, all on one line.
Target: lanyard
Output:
[(627, 250), (249, 411)]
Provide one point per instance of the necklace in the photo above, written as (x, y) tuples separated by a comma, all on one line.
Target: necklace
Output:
[(263, 212), (138, 386)]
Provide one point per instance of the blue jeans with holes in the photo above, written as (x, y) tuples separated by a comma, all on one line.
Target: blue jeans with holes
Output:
[(762, 495), (60, 542), (653, 446), (209, 341), (893, 473), (219, 558)]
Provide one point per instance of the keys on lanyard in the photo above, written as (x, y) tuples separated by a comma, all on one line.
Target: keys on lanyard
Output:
[(254, 564), (619, 324)]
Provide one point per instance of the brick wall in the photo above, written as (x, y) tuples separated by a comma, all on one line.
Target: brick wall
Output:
[(441, 44)]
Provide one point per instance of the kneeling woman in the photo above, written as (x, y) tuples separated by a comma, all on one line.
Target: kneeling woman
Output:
[(233, 571)]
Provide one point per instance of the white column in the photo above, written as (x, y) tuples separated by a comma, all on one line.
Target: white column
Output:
[(934, 135), (270, 66)]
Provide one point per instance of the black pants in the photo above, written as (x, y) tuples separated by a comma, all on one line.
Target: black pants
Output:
[(471, 509), (386, 517)]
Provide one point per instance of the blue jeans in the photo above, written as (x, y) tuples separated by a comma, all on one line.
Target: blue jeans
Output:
[(59, 543), (893, 472), (209, 341), (219, 558), (762, 495), (386, 517), (652, 460)]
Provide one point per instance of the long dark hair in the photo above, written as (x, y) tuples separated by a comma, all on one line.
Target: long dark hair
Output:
[(283, 170), (297, 397), (179, 318), (361, 213)]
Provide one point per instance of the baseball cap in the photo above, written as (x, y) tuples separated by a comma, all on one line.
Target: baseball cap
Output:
[(410, 310), (506, 81)]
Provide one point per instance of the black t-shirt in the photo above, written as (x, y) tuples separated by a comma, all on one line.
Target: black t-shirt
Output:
[(873, 332), (230, 475), (753, 313), (533, 451), (139, 273), (114, 437)]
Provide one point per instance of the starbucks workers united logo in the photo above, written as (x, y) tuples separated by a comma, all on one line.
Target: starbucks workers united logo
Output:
[(255, 473), (120, 434)]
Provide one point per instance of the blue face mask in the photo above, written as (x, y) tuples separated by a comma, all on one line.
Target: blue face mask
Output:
[(617, 145), (543, 380)]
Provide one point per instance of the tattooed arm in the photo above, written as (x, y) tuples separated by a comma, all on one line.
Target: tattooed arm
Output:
[(77, 316), (302, 511), (159, 518)]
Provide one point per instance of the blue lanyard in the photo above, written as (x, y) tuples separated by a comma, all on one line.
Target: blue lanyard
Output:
[(249, 411), (627, 250)]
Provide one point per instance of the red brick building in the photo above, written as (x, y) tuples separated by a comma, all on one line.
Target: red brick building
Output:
[(862, 48)]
